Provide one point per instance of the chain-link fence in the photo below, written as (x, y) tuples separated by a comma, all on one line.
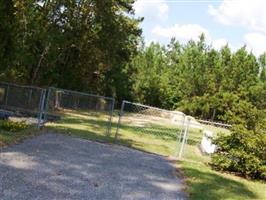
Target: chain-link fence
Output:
[(90, 116), (150, 128), (198, 142), (21, 103), (84, 114)]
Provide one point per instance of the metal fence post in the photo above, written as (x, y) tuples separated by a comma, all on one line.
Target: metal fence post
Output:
[(119, 120), (111, 117), (42, 104), (179, 137), (184, 137), (46, 106)]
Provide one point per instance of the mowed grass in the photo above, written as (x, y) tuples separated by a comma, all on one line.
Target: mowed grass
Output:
[(86, 125), (149, 134), (204, 183), (153, 136)]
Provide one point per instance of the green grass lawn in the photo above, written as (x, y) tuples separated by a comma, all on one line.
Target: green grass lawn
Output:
[(92, 126), (201, 181), (204, 183), (150, 137)]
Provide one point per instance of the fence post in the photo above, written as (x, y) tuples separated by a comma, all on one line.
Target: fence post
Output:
[(7, 91), (46, 106), (184, 138), (111, 118), (119, 120), (42, 104), (179, 137)]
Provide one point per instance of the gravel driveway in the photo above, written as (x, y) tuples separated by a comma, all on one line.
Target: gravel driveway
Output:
[(53, 166)]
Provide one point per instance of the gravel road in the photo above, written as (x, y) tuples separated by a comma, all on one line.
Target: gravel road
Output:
[(54, 166)]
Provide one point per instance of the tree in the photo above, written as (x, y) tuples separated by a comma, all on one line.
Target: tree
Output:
[(82, 45), (7, 24)]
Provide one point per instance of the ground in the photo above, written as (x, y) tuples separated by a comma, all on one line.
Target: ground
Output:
[(53, 166), (201, 182)]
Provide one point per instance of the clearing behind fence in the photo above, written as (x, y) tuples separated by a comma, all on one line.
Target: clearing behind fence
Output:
[(150, 128), (21, 103), (80, 113)]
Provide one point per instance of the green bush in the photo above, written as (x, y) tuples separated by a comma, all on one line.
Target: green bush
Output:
[(12, 126), (242, 152)]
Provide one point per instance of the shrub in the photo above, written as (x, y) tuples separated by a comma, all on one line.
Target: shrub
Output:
[(243, 152), (12, 126)]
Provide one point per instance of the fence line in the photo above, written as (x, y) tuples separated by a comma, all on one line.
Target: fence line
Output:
[(82, 93), (155, 108), (24, 101), (219, 124), (42, 104), (147, 121), (61, 102), (21, 86)]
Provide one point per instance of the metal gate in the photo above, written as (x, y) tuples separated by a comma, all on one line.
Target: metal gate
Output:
[(151, 129), (22, 103), (87, 115)]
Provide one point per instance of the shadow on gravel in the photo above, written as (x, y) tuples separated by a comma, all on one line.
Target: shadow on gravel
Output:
[(53, 166)]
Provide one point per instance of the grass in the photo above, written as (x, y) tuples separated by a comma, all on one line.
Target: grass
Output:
[(150, 138), (7, 137), (204, 183), (92, 126), (151, 135)]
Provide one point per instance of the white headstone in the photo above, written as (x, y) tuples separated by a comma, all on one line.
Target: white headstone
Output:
[(206, 142)]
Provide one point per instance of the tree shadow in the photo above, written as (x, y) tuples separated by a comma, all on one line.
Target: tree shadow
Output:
[(68, 168), (157, 131)]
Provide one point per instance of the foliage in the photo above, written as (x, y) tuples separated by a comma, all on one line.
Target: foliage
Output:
[(81, 45), (212, 84), (243, 151), (199, 80), (95, 46), (12, 126)]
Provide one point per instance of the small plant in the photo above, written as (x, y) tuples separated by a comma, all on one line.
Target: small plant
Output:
[(12, 126)]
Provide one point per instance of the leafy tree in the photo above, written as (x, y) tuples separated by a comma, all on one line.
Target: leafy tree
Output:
[(199, 80), (82, 45), (7, 25)]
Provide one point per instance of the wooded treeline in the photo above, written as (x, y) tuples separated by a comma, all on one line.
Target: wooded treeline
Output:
[(96, 46), (82, 45), (194, 77)]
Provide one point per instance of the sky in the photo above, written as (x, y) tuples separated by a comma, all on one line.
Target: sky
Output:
[(233, 22)]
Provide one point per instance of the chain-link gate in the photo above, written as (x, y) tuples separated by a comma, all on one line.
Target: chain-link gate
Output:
[(151, 129), (84, 114), (21, 103)]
